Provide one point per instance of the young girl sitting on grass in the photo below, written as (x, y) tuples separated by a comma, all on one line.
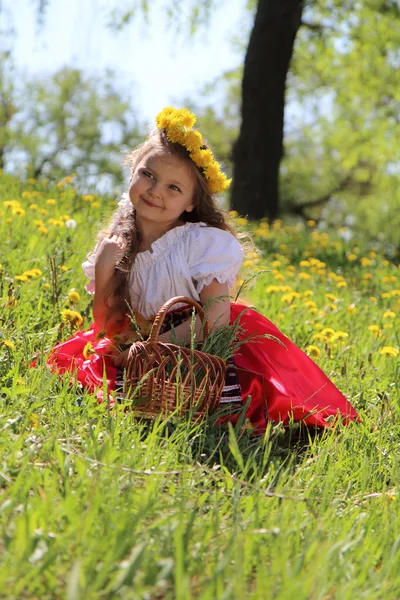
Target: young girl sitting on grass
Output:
[(168, 238)]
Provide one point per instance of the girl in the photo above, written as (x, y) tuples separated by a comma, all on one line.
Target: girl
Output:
[(168, 238)]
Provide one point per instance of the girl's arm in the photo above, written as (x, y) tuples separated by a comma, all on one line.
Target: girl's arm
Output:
[(108, 254), (215, 297), (217, 313)]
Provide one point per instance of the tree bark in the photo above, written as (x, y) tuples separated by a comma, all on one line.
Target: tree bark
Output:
[(258, 151)]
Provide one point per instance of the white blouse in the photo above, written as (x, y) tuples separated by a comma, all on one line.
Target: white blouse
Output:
[(180, 263)]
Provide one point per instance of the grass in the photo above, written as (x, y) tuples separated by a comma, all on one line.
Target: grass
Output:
[(94, 504)]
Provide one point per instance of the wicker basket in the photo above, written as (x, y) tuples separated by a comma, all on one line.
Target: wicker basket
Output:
[(164, 378)]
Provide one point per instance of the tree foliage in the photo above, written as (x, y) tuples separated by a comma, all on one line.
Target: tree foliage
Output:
[(68, 122)]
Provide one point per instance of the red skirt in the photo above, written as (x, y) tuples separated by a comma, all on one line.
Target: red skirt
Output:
[(283, 382)]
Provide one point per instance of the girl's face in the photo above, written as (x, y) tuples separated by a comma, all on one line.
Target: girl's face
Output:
[(162, 187)]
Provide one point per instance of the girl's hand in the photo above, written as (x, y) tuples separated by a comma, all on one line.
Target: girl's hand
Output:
[(109, 252), (122, 359)]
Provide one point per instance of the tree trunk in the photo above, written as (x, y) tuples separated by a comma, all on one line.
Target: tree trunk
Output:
[(257, 153)]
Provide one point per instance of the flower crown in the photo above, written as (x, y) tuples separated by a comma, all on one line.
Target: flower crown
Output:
[(178, 124)]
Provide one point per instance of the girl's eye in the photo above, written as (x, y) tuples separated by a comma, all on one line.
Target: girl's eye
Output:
[(175, 188), (147, 174)]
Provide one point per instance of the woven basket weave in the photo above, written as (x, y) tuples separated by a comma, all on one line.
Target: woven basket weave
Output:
[(163, 378)]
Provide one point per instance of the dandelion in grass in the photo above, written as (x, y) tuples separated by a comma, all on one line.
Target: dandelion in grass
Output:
[(63, 268), (73, 297), (351, 309), (385, 295), (328, 332), (8, 344), (389, 314), (313, 351), (88, 197), (33, 206), (21, 278), (341, 284), (389, 351), (51, 201), (18, 212), (71, 224), (71, 317)]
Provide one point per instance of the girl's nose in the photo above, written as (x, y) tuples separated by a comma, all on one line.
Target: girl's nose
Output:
[(155, 189)]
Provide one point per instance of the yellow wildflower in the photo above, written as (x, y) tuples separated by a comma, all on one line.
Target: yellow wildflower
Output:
[(73, 297), (351, 257), (33, 206), (88, 197), (21, 278), (43, 229), (365, 262), (9, 344), (88, 350), (351, 309), (308, 293), (71, 317), (311, 223), (330, 297), (388, 351), (313, 351), (192, 141), (373, 299), (95, 205), (18, 211), (304, 263), (63, 268), (328, 332), (374, 329), (341, 284), (51, 201), (389, 314), (385, 295), (339, 335), (303, 275), (31, 180)]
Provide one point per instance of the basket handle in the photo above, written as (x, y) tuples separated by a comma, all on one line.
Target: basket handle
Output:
[(160, 317)]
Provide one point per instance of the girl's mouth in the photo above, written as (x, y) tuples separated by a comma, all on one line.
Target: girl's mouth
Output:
[(149, 203)]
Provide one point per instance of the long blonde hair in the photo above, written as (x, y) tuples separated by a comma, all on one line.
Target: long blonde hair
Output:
[(123, 222)]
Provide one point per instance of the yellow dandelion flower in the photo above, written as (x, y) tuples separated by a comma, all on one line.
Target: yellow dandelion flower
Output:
[(313, 351), (95, 205), (351, 257), (389, 351), (331, 297), (241, 221), (43, 230), (328, 332), (233, 214), (373, 328), (212, 171), (248, 263), (203, 158), (373, 299), (63, 268), (33, 206), (389, 314), (88, 197), (43, 211), (187, 118), (31, 180), (310, 303), (308, 293), (51, 201), (175, 134), (339, 335), (60, 184), (9, 344), (351, 309), (88, 350), (304, 276), (26, 194), (73, 297), (72, 317), (192, 141), (18, 211), (305, 263), (388, 325), (385, 295), (272, 288), (365, 262), (341, 284), (395, 293), (312, 310), (311, 223), (21, 278)]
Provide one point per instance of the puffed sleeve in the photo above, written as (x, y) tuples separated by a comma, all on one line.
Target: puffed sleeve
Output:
[(88, 269), (213, 254)]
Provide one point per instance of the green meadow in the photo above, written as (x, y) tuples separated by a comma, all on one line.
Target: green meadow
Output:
[(97, 504)]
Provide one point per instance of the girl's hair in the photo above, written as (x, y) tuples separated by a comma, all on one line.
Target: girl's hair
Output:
[(123, 222)]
